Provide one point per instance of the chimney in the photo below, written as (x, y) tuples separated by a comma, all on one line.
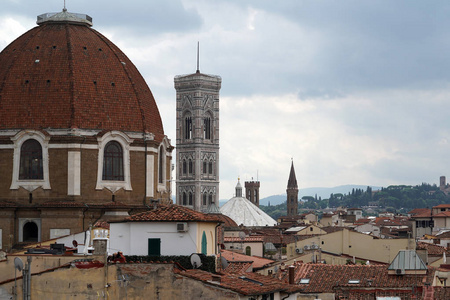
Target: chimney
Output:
[(291, 275)]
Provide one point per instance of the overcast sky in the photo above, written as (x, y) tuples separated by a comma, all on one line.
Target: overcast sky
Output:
[(356, 92)]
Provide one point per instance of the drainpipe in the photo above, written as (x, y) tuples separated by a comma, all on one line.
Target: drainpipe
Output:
[(145, 173)]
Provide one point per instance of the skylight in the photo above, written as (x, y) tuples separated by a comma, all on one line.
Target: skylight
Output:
[(353, 281), (304, 280)]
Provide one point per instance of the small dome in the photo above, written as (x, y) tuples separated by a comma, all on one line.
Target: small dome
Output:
[(64, 74), (242, 211)]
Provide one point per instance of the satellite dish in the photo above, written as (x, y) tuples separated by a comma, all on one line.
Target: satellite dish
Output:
[(196, 261), (18, 264), (75, 243), (224, 262), (242, 235)]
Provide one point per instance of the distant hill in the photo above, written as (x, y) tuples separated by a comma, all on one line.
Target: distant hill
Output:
[(322, 192)]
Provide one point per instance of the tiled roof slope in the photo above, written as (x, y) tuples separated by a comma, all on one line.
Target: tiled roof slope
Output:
[(432, 248), (257, 262), (172, 213), (63, 75), (324, 278), (250, 284)]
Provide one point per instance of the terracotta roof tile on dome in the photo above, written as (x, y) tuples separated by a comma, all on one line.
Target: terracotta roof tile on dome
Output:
[(171, 213), (66, 75)]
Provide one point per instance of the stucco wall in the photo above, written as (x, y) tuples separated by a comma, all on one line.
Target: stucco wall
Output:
[(355, 244), (139, 281)]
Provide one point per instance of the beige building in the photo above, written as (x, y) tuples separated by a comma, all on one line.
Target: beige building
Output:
[(351, 243)]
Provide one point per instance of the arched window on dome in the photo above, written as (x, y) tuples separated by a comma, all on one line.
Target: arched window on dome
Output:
[(113, 162), (187, 128), (31, 166)]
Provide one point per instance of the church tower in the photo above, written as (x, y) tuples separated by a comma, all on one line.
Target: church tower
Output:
[(292, 193), (197, 144), (252, 191)]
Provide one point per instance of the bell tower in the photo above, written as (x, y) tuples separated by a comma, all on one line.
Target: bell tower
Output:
[(197, 140), (292, 193)]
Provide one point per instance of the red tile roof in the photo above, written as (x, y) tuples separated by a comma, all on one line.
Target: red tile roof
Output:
[(432, 249), (248, 239), (325, 278), (442, 206), (171, 213), (238, 267), (61, 75), (257, 262), (444, 214), (250, 284)]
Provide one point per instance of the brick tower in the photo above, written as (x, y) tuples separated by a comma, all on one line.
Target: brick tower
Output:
[(252, 191), (197, 145), (292, 193)]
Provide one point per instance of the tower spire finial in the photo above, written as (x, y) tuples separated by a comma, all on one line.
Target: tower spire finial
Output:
[(198, 57), (64, 8)]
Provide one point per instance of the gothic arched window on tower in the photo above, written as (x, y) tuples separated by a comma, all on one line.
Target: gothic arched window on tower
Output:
[(190, 166), (184, 199), (184, 167), (31, 160), (190, 198), (210, 199), (204, 199), (207, 128), (188, 128), (205, 170), (113, 162), (210, 169)]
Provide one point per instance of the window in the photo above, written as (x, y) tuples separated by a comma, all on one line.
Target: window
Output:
[(210, 198), (187, 128), (204, 199), (248, 251), (210, 170), (113, 172), (207, 128), (161, 164), (184, 199), (205, 170), (154, 247), (113, 162), (184, 167), (190, 198), (190, 166), (31, 160)]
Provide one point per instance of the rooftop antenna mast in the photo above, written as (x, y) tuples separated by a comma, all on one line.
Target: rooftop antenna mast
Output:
[(198, 56)]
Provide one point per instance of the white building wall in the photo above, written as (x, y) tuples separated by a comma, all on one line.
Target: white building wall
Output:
[(132, 238)]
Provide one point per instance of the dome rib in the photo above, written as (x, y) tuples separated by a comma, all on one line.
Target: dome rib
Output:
[(71, 82)]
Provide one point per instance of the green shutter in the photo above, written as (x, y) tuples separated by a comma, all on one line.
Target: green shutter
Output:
[(204, 243)]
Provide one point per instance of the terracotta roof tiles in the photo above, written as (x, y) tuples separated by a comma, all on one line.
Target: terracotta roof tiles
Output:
[(171, 213)]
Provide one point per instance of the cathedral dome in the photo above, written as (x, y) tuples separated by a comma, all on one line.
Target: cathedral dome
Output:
[(63, 74)]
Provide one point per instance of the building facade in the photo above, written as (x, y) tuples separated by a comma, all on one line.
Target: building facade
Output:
[(81, 137), (197, 144)]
